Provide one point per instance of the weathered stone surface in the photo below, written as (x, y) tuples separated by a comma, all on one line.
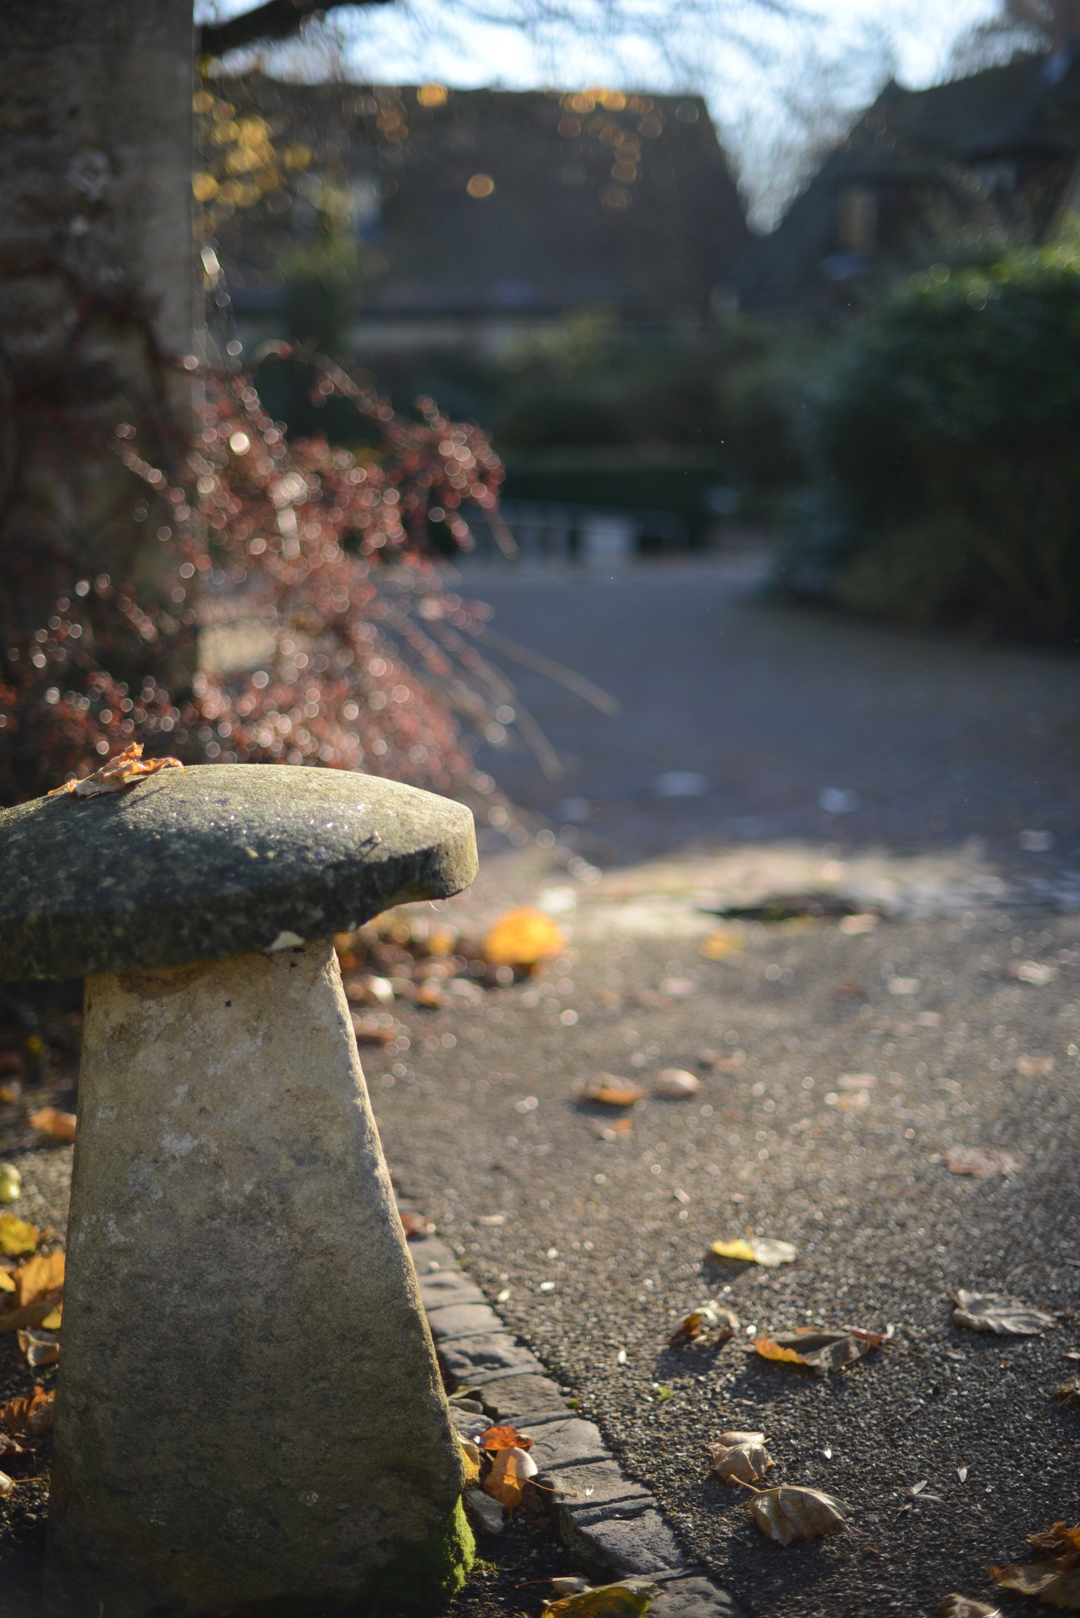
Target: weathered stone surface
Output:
[(473, 1360), (634, 1542), (250, 1414), (593, 1488), (694, 1598), (463, 1320), (563, 1443), (219, 860), (515, 1398)]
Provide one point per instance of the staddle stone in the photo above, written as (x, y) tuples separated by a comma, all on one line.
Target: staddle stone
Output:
[(250, 1417)]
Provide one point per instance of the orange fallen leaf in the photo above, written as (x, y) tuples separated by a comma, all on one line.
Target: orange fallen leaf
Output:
[(30, 1417), (820, 1351), (16, 1236), (510, 1472), (58, 1126), (415, 1225), (40, 1277), (506, 1437), (122, 771), (719, 945), (612, 1091), (979, 1164), (523, 937)]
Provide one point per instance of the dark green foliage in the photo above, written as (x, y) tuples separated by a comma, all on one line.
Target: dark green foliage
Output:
[(943, 439)]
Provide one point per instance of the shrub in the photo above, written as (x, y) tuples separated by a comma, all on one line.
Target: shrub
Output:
[(943, 439)]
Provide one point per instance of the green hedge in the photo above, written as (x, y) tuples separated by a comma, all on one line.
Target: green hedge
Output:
[(943, 442)]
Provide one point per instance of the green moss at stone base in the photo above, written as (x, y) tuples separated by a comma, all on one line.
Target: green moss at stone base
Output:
[(426, 1570)]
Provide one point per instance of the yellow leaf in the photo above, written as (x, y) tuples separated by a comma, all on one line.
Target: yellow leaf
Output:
[(628, 1599), (470, 1455), (522, 937), (16, 1236), (6, 1283), (10, 1183), (721, 944), (54, 1319), (737, 1249), (40, 1277), (756, 1250)]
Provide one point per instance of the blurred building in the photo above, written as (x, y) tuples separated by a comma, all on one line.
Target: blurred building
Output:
[(960, 170), (482, 215)]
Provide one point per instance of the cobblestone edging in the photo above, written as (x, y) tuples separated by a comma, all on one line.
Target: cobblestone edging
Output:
[(610, 1523)]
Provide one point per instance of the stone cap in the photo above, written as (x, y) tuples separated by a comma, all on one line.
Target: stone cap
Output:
[(219, 860)]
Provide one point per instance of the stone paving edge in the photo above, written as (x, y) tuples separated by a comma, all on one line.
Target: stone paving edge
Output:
[(617, 1528)]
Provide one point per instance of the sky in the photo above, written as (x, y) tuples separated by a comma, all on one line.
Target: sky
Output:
[(777, 89)]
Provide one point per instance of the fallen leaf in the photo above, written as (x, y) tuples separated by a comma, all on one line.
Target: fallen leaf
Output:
[(10, 1183), (719, 945), (40, 1347), (57, 1126), (6, 1484), (628, 1599), (1056, 1583), (30, 1417), (785, 1513), (570, 1585), (16, 1236), (956, 1606), (864, 922), (1036, 973), (698, 1321), (1069, 1392), (122, 771), (54, 1319), (6, 1283), (756, 1250), (11, 1447), (820, 1351), (39, 1277), (740, 1457), (510, 1472), (994, 1312), (612, 1091), (415, 1225), (505, 1437), (664, 1391), (370, 1031), (430, 995), (523, 937), (676, 1084), (617, 1129), (982, 1165), (470, 1456)]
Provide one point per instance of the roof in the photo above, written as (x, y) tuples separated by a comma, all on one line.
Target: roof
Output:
[(1017, 112), (598, 198)]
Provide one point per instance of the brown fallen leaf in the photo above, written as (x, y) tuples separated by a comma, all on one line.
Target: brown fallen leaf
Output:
[(1069, 1392), (1056, 1583), (612, 1091), (523, 937), (740, 1457), (675, 1084), (16, 1236), (11, 1449), (702, 1320), (29, 1418), (122, 771), (630, 1598), (505, 1437), (820, 1351), (510, 1472), (786, 1513), (982, 1165), (415, 1225), (957, 1606), (994, 1312), (40, 1347), (57, 1126)]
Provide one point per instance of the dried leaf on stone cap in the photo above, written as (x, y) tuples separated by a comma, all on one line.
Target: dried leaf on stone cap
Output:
[(40, 1347), (510, 1472), (523, 937), (994, 1312), (415, 1225), (740, 1457), (57, 1126), (630, 1598), (820, 1351), (958, 1606), (505, 1437), (16, 1236), (787, 1513), (119, 772), (612, 1091), (756, 1250), (31, 1417)]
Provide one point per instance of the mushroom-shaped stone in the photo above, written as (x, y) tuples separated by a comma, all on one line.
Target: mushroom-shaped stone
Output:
[(250, 1415)]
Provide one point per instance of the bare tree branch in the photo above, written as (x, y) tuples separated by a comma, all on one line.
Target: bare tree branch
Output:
[(277, 19)]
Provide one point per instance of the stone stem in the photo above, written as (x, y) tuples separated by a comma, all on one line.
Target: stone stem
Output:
[(250, 1416)]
